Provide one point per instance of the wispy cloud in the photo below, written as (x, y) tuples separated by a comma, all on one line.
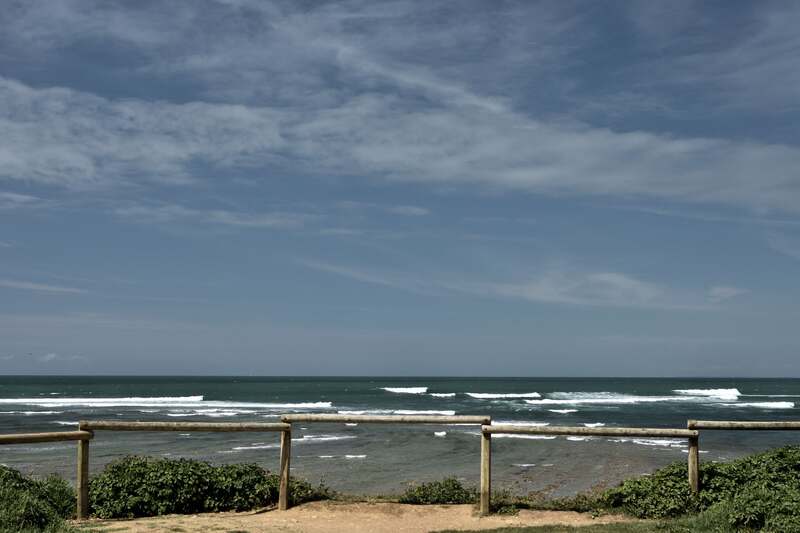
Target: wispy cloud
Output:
[(397, 281), (408, 210), (174, 212), (784, 244), (720, 293), (600, 289), (423, 125), (38, 287), (53, 357), (10, 200)]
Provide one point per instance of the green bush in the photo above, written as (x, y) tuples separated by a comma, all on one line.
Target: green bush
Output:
[(140, 486), (758, 492), (448, 490), (28, 504)]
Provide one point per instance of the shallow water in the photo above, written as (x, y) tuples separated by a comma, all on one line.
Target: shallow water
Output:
[(385, 458)]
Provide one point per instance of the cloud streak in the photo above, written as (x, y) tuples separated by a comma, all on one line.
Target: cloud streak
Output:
[(38, 287), (572, 288)]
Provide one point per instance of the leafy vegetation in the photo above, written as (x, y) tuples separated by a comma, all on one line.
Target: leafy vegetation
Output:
[(448, 490), (28, 504), (757, 493), (140, 486)]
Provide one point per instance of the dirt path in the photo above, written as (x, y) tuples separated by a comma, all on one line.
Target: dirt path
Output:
[(322, 517)]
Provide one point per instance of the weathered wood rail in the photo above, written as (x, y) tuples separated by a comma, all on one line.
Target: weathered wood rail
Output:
[(82, 483), (488, 430), (743, 424), (388, 419), (86, 429)]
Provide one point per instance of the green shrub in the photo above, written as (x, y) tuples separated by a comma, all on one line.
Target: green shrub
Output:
[(140, 486), (28, 504), (448, 490), (758, 492)]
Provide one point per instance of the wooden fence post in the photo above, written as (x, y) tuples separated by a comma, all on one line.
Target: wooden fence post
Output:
[(694, 464), (486, 472), (82, 480), (286, 453)]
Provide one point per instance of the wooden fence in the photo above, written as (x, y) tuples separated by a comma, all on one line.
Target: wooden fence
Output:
[(87, 429), (82, 483), (488, 430)]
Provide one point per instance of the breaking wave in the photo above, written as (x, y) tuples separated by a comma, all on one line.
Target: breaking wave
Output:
[(722, 394), (406, 390), (493, 396)]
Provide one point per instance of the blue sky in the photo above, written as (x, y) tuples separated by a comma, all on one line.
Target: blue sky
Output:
[(413, 188)]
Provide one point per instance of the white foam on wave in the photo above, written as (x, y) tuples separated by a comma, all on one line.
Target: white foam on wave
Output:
[(524, 465), (594, 424), (498, 396), (442, 394), (663, 443), (322, 438), (607, 398), (355, 456), (406, 390), (65, 423), (563, 411), (578, 439), (761, 405), (175, 402), (439, 433), (722, 394), (257, 447)]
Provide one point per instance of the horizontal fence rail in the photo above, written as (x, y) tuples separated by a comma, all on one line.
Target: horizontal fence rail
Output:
[(747, 425), (600, 432), (505, 429), (388, 419), (119, 425), (53, 436)]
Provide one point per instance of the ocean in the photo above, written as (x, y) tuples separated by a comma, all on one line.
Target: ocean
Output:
[(385, 459)]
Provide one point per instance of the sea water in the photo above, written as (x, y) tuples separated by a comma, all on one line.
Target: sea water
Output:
[(370, 459)]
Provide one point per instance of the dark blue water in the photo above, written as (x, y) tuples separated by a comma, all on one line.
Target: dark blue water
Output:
[(378, 458)]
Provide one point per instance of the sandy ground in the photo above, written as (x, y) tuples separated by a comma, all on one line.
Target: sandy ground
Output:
[(320, 517)]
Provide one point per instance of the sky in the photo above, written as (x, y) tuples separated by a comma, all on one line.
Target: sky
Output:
[(404, 187)]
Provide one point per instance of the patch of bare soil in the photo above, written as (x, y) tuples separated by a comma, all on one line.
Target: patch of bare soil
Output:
[(319, 517)]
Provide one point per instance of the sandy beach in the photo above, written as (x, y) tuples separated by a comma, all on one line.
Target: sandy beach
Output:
[(319, 517)]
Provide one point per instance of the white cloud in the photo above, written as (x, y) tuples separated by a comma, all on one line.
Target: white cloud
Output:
[(10, 200), (587, 289), (371, 136), (173, 212), (37, 287), (388, 117), (58, 358), (408, 210), (720, 293), (784, 244), (602, 289)]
